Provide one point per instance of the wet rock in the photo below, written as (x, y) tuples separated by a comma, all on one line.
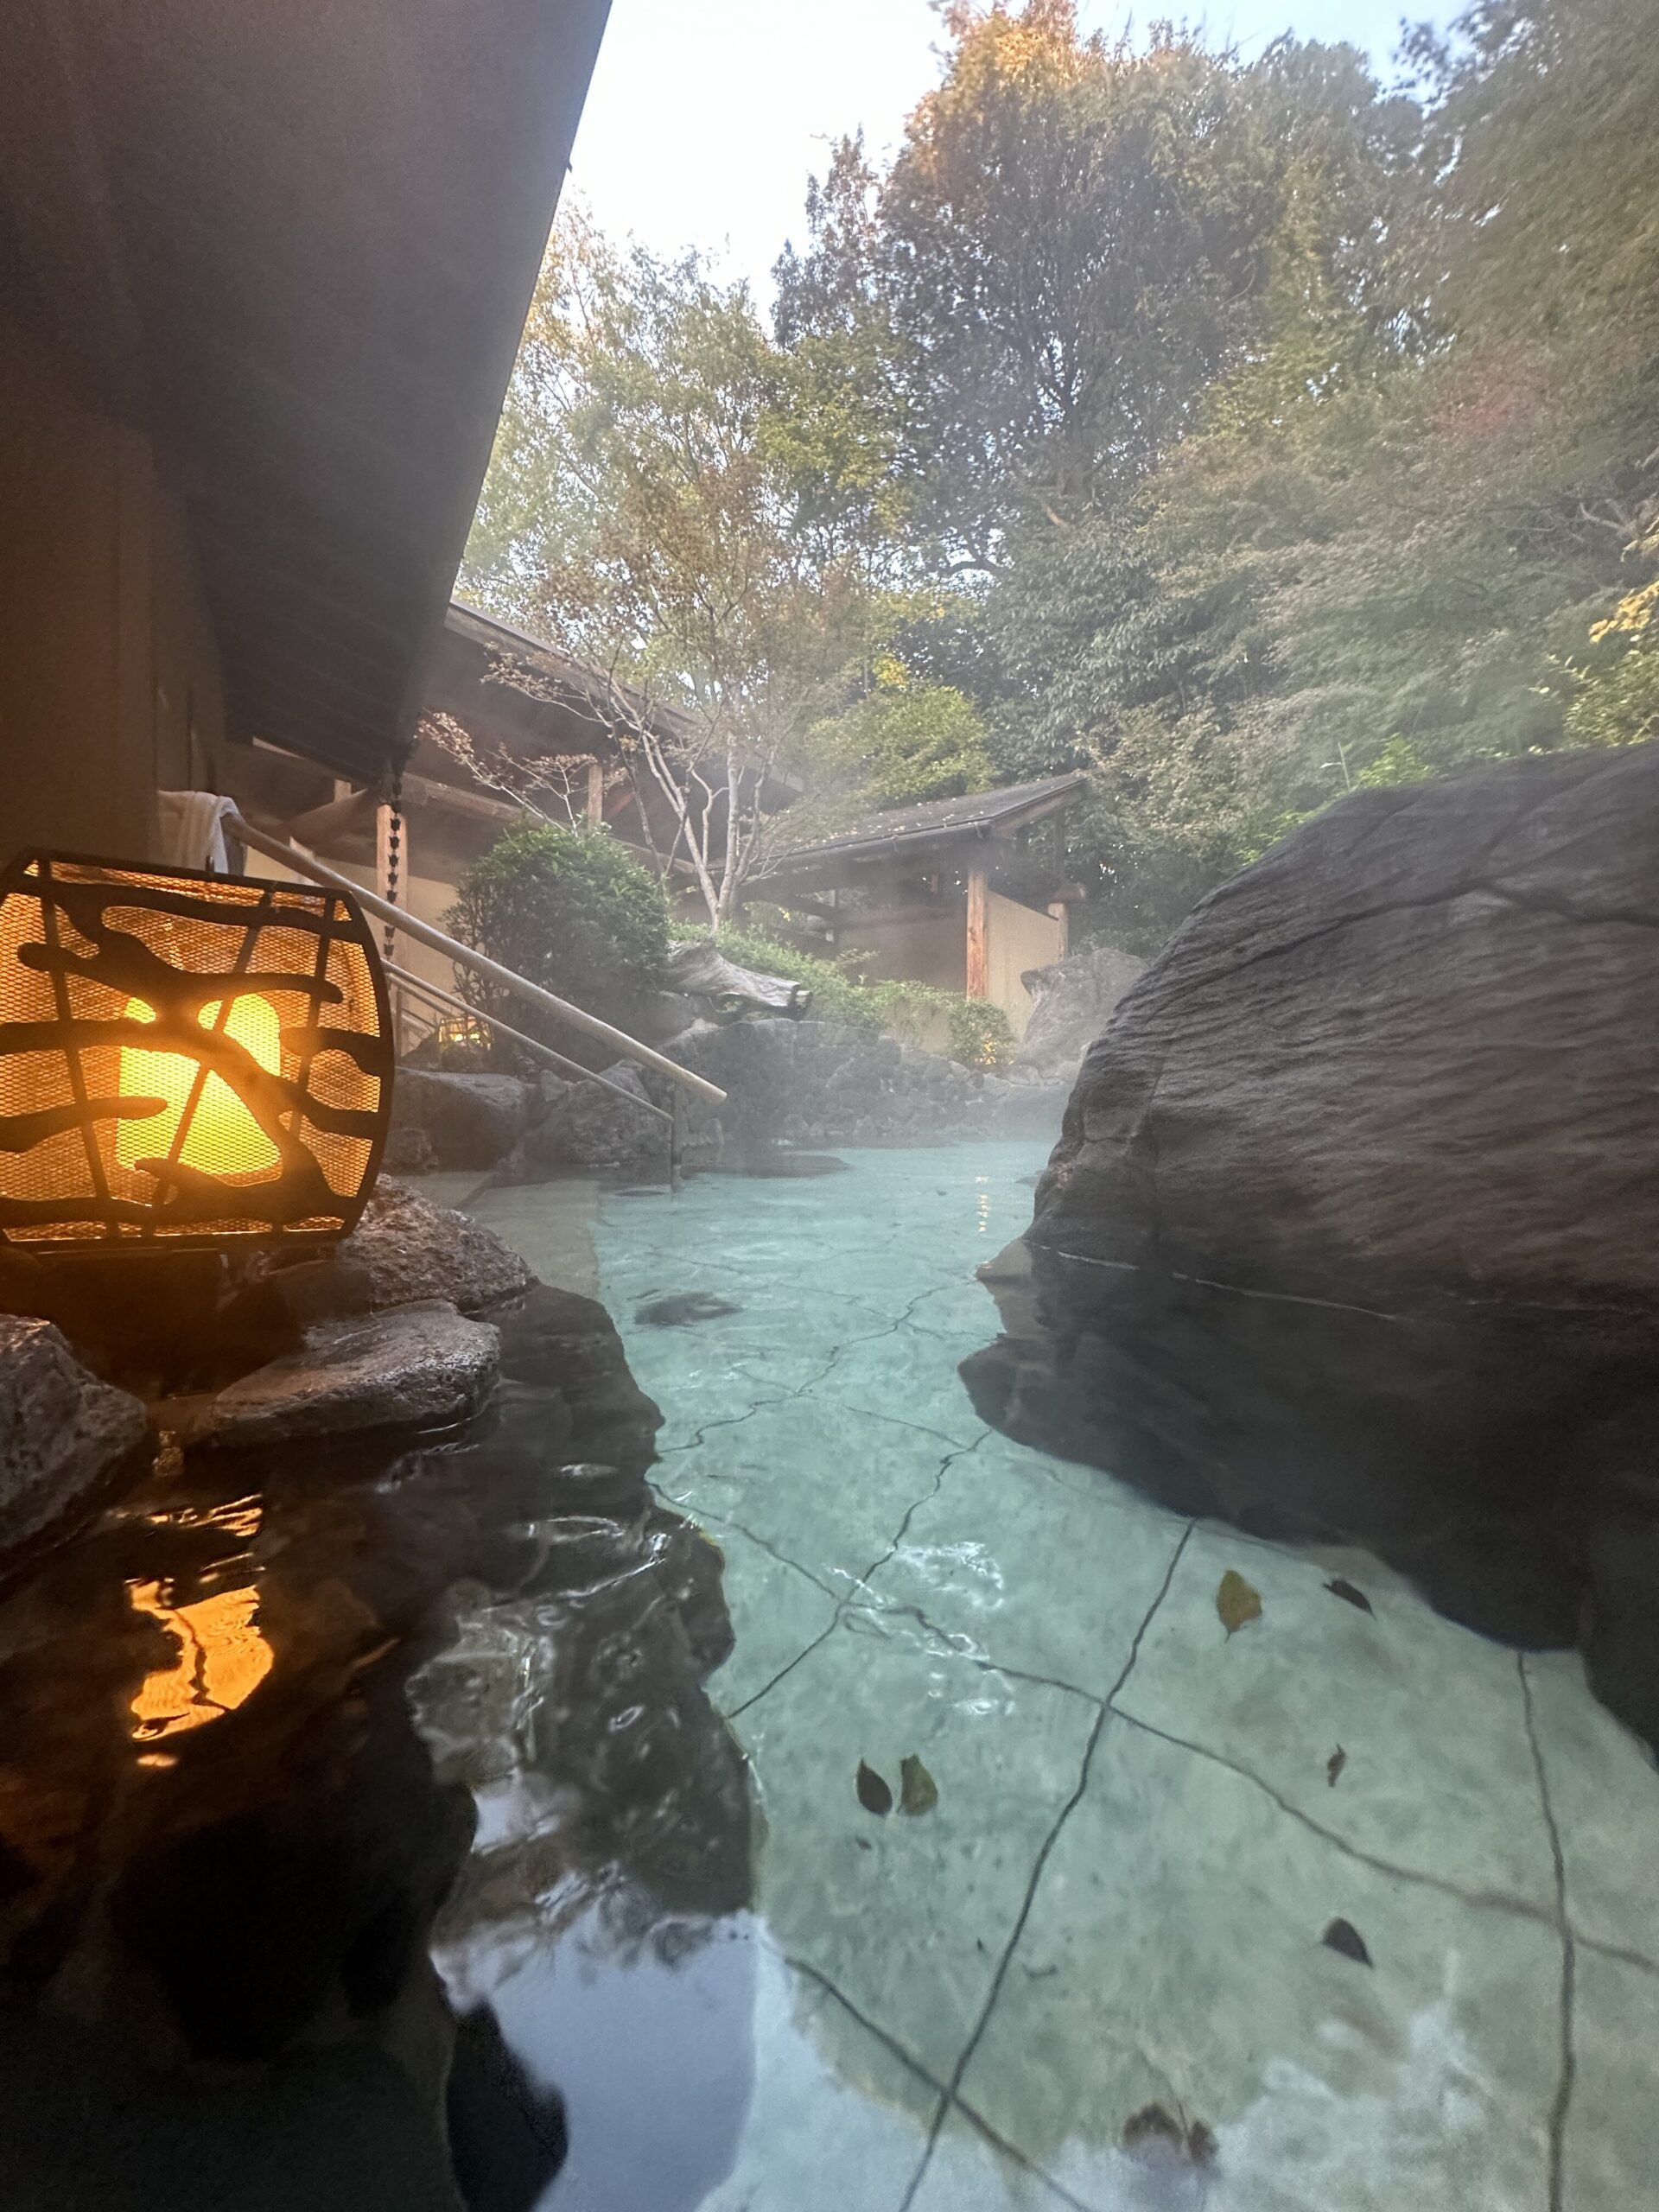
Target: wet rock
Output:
[(1342, 1239), (789, 1083), (507, 2131), (698, 969), (62, 1432), (583, 1125), (404, 1248), (1024, 1107), (555, 1339), (470, 1120), (85, 2120), (256, 2020), (416, 1366), (409, 1151), (1071, 1002), (683, 1307), (1621, 1625), (812, 1084), (410, 1248), (1416, 1047), (692, 1566)]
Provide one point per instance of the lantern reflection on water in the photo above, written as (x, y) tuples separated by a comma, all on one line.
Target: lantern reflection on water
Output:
[(221, 1659), (185, 1057)]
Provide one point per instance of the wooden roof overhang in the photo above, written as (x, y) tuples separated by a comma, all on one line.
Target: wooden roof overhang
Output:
[(515, 691), (511, 690), (296, 246), (937, 834)]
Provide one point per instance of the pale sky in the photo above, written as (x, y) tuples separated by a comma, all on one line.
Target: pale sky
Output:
[(706, 117)]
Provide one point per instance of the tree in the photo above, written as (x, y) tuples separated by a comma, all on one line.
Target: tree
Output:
[(642, 512), (1377, 547), (1244, 434), (902, 739)]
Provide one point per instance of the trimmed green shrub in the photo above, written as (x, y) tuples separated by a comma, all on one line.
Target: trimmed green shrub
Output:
[(573, 910)]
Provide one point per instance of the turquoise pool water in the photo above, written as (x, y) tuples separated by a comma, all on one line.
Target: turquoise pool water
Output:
[(1142, 1828)]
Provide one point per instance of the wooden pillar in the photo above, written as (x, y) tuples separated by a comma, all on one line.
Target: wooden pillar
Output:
[(1061, 913), (979, 955), (595, 794)]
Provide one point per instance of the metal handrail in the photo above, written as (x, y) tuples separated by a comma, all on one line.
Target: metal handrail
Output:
[(408, 980), (629, 1048)]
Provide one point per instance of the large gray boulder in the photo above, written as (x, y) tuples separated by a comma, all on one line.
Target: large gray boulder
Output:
[(468, 1120), (1071, 1002), (404, 1248), (1418, 1044), (62, 1432), (1353, 1231), (421, 1366), (584, 1125), (825, 1083)]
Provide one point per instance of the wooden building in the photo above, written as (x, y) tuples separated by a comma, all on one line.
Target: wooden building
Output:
[(263, 274), (499, 713), (952, 892), (504, 720)]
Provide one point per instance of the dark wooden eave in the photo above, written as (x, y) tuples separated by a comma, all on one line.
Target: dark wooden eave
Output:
[(296, 246), (938, 828), (519, 692)]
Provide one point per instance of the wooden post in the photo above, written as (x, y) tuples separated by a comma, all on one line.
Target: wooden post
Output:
[(1061, 913), (979, 957), (595, 794)]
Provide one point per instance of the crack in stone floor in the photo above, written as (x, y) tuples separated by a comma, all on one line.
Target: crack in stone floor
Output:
[(1119, 1897)]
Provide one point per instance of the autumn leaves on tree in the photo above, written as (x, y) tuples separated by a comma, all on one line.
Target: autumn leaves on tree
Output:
[(1241, 433)]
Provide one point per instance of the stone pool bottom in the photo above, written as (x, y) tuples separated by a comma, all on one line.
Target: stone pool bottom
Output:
[(1120, 1895)]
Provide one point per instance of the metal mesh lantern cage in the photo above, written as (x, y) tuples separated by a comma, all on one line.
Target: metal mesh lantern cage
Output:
[(185, 1058)]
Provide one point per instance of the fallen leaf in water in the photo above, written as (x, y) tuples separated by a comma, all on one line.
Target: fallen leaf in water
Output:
[(1156, 2125), (1334, 1765), (917, 1792), (1343, 1935), (1201, 2145), (1344, 1589), (873, 1793), (1152, 2124), (1237, 1602)]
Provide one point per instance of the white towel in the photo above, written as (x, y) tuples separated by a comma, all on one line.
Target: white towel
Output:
[(192, 829)]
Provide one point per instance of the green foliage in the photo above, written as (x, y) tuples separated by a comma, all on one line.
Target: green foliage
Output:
[(573, 910), (1616, 700), (1243, 433), (695, 516), (976, 1033), (980, 1034), (840, 992), (1399, 506), (899, 742)]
